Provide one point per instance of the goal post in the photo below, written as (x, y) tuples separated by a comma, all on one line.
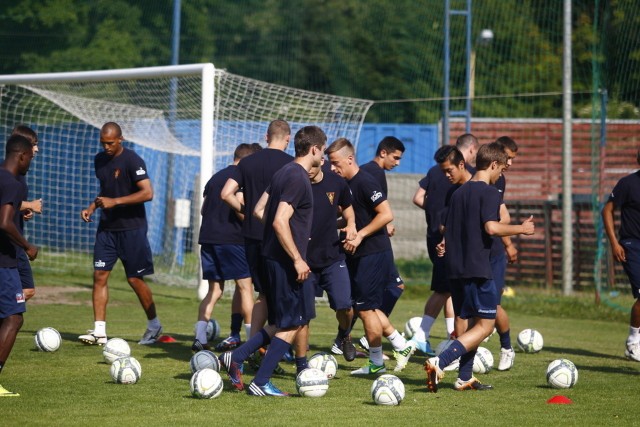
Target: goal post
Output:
[(185, 121)]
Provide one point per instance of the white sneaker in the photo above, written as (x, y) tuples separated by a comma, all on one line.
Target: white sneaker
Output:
[(507, 356), (150, 337), (92, 339), (633, 351), (402, 357), (453, 366)]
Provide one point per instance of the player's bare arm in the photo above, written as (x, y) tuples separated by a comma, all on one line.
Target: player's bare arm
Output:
[(349, 227), (495, 228), (86, 213), (382, 218), (609, 228), (261, 206), (418, 197), (228, 195), (283, 232), (8, 227), (144, 194), (509, 247)]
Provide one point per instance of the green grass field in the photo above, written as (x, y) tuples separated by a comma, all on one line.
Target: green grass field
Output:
[(73, 387)]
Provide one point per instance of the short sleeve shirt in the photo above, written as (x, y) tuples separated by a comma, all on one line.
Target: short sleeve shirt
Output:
[(626, 196), (253, 175), (118, 177), (328, 195), (436, 186), (220, 224), (11, 193), (367, 194), (378, 173), (467, 244), (290, 184)]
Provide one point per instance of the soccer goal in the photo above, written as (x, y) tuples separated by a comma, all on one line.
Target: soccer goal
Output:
[(185, 121)]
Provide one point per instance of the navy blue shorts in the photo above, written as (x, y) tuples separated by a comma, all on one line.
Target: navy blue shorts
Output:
[(334, 279), (632, 266), (394, 276), (255, 260), (499, 270), (290, 303), (130, 246), (24, 269), (223, 262), (439, 281), (11, 296), (369, 277), (474, 298)]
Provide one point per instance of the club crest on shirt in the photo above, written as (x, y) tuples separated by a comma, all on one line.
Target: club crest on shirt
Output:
[(376, 195), (331, 195), (140, 171), (116, 173)]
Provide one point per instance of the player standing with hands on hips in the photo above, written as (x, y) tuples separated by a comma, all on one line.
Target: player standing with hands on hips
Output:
[(122, 232)]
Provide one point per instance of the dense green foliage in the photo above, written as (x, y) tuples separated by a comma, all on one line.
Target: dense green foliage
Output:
[(380, 49)]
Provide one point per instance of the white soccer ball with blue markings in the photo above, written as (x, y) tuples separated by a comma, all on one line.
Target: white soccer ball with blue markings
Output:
[(204, 359), (114, 349), (206, 384), (483, 361), (47, 339), (412, 326), (325, 362), (387, 390), (530, 341), (312, 382), (562, 373), (126, 370)]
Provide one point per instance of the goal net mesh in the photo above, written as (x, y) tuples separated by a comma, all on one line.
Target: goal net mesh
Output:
[(161, 120)]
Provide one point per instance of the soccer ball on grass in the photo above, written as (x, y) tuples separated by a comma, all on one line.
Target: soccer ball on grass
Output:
[(387, 390), (47, 339)]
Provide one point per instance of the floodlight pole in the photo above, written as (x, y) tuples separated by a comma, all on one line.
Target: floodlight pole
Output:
[(567, 183)]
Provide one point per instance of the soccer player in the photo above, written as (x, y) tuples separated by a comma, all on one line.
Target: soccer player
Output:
[(431, 196), (472, 219), (503, 251), (122, 231), (287, 228), (369, 258), (18, 156), (253, 175), (222, 254), (331, 196), (626, 248), (388, 156), (28, 209)]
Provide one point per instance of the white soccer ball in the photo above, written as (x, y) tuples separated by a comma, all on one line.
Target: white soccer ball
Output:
[(483, 361), (204, 359), (387, 390), (206, 384), (412, 326), (443, 346), (126, 370), (114, 349), (562, 373), (213, 329), (325, 362), (47, 339), (312, 382), (530, 341)]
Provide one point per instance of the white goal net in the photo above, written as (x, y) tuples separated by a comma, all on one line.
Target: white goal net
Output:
[(169, 117)]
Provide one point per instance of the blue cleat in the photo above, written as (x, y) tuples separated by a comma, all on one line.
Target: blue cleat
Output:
[(234, 370), (425, 348), (229, 343), (265, 390)]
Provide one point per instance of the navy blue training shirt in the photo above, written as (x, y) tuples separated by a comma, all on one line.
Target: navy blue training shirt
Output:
[(626, 196), (11, 193), (220, 224)]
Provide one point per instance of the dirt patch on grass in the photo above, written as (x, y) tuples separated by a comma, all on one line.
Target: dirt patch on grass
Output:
[(60, 295)]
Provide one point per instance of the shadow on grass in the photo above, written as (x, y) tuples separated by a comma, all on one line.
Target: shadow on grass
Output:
[(580, 352)]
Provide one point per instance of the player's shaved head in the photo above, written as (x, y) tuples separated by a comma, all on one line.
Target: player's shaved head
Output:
[(111, 128)]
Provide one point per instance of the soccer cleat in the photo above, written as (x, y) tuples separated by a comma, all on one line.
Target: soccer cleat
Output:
[(229, 343), (403, 356), (256, 359), (288, 356), (507, 356), (370, 368), (91, 339), (6, 393), (632, 352), (198, 346), (348, 349), (434, 373), (150, 336), (234, 370), (472, 384), (336, 348), (364, 343), (265, 390), (425, 348), (453, 366)]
